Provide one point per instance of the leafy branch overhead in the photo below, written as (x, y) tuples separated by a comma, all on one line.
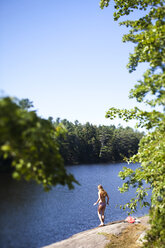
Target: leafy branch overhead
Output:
[(148, 35), (30, 144)]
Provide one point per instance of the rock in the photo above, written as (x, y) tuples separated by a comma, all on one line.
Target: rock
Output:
[(141, 238), (94, 238)]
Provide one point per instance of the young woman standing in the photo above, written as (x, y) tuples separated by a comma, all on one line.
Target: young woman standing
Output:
[(102, 195)]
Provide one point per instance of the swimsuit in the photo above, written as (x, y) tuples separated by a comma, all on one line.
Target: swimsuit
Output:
[(103, 204)]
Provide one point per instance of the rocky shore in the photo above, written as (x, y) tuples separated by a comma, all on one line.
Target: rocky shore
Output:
[(99, 237)]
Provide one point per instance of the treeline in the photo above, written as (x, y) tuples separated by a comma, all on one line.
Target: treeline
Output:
[(87, 143), (36, 148)]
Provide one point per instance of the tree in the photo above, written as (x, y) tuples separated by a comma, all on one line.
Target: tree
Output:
[(125, 143), (30, 144), (106, 135), (87, 143), (69, 143), (24, 103), (148, 35)]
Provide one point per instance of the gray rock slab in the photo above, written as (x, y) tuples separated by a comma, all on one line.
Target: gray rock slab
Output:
[(94, 238)]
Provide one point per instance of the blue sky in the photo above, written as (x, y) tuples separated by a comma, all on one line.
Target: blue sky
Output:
[(67, 57)]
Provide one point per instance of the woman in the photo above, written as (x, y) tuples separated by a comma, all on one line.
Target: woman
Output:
[(102, 194)]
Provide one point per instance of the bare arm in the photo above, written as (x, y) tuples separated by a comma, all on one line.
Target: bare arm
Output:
[(107, 199), (97, 200)]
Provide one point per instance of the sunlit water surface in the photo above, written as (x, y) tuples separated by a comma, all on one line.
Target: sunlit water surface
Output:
[(30, 217)]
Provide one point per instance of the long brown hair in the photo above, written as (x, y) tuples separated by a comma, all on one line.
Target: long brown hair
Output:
[(102, 191)]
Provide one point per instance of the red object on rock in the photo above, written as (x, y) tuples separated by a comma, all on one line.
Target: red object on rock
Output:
[(130, 219)]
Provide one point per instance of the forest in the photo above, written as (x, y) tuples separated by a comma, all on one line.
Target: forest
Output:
[(30, 143), (88, 143)]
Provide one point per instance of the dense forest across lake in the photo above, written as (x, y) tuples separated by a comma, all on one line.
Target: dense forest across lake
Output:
[(37, 147), (87, 143)]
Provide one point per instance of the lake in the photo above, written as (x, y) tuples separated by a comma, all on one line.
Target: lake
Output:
[(30, 217)]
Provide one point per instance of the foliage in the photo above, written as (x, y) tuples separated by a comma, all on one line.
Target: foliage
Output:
[(29, 143), (37, 149), (148, 35), (87, 143)]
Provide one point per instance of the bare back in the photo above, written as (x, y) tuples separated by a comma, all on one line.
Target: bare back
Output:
[(102, 195)]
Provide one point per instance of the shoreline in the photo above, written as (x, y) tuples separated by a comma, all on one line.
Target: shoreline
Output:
[(98, 237)]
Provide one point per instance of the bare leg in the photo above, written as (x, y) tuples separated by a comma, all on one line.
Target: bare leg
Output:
[(103, 216), (101, 210), (100, 218)]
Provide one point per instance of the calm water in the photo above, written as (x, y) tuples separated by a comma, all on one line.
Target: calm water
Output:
[(31, 218)]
